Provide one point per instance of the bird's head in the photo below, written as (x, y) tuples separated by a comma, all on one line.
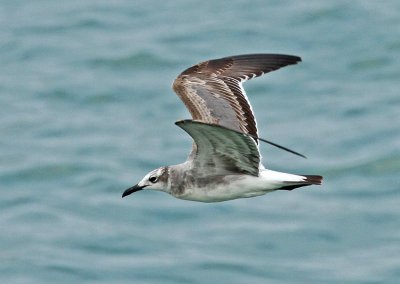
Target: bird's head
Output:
[(155, 180)]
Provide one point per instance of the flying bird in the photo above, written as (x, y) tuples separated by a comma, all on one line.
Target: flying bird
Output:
[(225, 161)]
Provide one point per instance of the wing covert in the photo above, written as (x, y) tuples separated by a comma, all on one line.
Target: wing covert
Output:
[(219, 150)]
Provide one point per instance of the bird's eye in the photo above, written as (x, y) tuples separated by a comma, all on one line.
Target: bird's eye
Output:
[(153, 179)]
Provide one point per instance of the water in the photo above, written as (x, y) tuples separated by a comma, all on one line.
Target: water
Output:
[(87, 110)]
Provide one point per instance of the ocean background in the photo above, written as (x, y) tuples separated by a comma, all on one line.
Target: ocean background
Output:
[(87, 109)]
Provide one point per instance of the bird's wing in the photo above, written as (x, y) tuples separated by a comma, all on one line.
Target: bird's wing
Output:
[(213, 93), (219, 150)]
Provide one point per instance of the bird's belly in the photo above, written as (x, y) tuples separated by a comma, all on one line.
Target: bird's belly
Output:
[(232, 187)]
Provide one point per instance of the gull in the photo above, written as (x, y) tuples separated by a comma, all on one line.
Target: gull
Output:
[(225, 161)]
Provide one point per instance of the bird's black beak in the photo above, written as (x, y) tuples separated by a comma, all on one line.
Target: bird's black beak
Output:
[(132, 190)]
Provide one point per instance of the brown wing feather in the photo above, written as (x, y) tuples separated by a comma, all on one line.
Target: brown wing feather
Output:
[(212, 90)]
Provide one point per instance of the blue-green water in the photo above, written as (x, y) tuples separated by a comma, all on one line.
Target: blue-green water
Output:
[(86, 110)]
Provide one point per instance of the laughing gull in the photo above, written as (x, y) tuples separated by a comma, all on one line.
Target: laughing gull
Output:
[(225, 161)]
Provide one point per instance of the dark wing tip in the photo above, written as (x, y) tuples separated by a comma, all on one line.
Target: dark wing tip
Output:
[(263, 59), (183, 121), (270, 56), (273, 60)]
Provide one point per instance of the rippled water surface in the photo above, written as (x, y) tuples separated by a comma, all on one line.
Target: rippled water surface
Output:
[(87, 110)]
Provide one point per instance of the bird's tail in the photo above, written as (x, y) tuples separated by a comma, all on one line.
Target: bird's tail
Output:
[(306, 181)]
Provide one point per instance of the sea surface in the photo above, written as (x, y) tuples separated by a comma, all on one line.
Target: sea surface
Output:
[(87, 109)]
